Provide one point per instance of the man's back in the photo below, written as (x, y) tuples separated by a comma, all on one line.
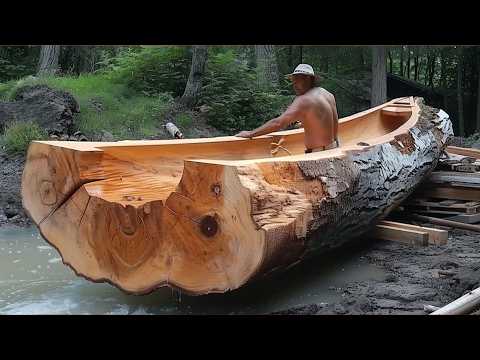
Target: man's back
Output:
[(320, 118)]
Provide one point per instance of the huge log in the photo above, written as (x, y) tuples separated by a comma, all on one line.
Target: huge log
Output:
[(209, 215)]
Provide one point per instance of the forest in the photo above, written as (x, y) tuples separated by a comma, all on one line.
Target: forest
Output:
[(130, 92)]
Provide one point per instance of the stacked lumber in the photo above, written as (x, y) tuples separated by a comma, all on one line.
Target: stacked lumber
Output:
[(449, 197), (452, 191)]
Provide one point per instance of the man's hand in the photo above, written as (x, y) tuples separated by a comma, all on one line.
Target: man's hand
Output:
[(245, 134)]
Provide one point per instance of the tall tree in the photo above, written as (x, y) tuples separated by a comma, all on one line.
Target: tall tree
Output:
[(379, 76), (431, 73), (390, 61), (48, 62), (197, 70), (408, 62), (267, 69), (443, 67), (401, 61), (461, 120), (415, 64)]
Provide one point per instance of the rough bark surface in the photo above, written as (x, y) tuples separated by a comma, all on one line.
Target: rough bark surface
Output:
[(267, 69), (379, 76), (48, 62), (341, 198), (197, 70)]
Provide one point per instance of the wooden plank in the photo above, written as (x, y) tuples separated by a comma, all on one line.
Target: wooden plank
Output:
[(469, 168), (407, 236), (443, 209), (465, 218), (456, 224), (435, 236), (458, 159), (464, 151), (438, 212), (471, 186), (449, 176), (450, 206)]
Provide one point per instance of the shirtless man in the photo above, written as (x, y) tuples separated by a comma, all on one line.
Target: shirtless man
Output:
[(314, 107)]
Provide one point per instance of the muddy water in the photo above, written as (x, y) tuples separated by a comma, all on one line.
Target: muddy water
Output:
[(33, 280)]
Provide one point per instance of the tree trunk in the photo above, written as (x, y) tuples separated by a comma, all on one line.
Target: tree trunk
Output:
[(390, 62), (48, 62), (401, 61), (408, 62), (361, 60), (431, 74), (197, 70), (267, 69), (202, 221), (379, 76), (290, 58), (461, 120), (443, 67), (415, 61)]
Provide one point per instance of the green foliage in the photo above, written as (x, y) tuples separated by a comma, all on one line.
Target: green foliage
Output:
[(105, 105), (17, 136), (6, 89), (17, 61), (230, 92), (183, 120), (153, 70)]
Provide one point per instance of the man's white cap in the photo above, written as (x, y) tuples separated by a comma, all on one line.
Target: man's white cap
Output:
[(303, 69)]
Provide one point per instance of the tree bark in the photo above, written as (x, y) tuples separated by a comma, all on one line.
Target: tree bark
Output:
[(431, 74), (290, 58), (267, 69), (461, 120), (415, 61), (408, 62), (379, 76), (48, 62), (197, 70), (390, 62), (204, 220), (401, 61), (443, 67)]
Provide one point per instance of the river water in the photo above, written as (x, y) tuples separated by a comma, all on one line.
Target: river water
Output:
[(33, 280)]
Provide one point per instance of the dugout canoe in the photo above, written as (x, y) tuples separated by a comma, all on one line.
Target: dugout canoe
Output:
[(209, 215)]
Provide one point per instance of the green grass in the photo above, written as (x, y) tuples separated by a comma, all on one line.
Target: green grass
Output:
[(183, 120), (18, 136), (104, 104)]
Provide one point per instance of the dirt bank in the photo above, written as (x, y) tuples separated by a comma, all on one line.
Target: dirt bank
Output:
[(415, 276)]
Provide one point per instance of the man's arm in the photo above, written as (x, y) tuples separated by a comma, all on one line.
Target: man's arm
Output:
[(289, 116)]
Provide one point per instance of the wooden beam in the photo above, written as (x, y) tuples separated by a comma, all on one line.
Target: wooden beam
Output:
[(448, 192), (462, 306), (465, 218), (435, 236), (449, 176), (444, 222), (407, 236), (464, 151)]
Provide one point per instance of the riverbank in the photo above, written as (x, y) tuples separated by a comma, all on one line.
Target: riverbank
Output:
[(414, 277)]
